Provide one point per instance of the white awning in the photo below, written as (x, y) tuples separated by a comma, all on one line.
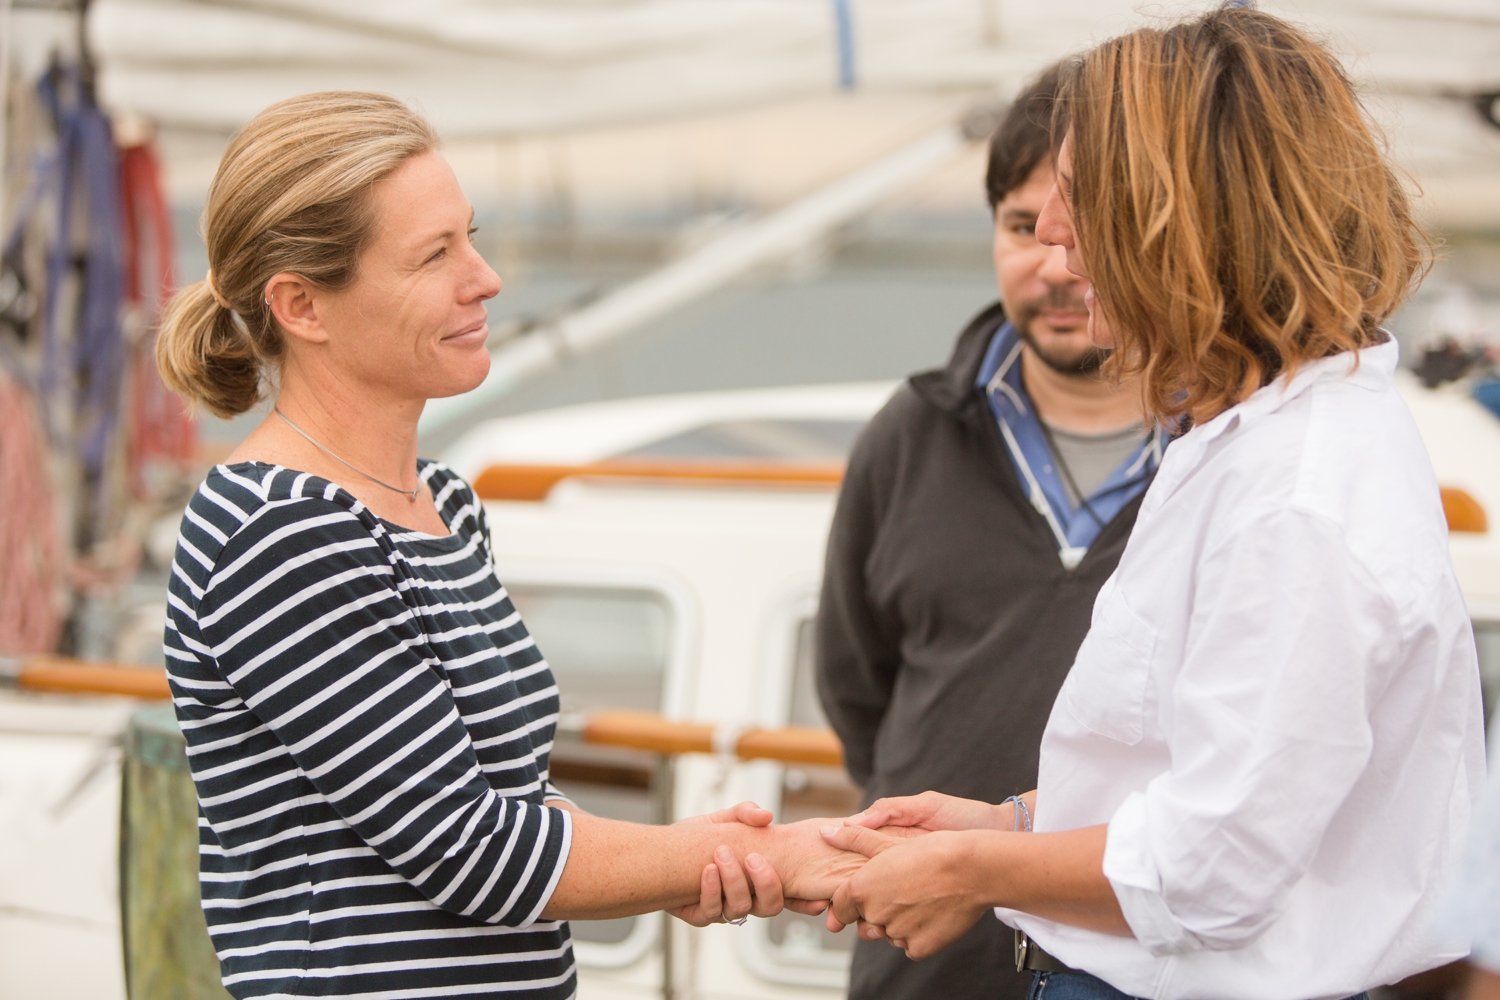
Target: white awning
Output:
[(483, 67)]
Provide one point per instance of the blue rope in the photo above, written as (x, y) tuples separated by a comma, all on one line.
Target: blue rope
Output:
[(83, 175)]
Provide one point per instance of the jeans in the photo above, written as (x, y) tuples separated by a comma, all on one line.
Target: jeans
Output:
[(1082, 986)]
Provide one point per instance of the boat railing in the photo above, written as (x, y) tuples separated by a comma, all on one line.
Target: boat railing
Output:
[(632, 730)]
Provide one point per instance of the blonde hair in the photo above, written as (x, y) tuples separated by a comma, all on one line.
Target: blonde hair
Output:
[(292, 194), (1235, 207)]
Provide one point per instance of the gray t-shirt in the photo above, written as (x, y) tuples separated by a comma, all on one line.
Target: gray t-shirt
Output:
[(1090, 458)]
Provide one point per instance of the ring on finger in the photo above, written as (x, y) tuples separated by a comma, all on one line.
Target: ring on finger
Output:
[(740, 922)]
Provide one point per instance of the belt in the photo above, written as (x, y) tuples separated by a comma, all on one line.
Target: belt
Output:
[(1031, 958)]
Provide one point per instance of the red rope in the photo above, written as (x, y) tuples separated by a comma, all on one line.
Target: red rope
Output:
[(161, 428), (31, 565), (148, 225)]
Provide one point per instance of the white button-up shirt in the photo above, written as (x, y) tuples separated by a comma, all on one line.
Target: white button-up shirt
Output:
[(1277, 707)]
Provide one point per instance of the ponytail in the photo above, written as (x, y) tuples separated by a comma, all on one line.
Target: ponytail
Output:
[(206, 355)]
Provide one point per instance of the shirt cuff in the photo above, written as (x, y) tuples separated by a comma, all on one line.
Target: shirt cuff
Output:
[(1133, 875), (564, 850)]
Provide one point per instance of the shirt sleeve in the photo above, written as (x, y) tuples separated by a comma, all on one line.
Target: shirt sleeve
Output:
[(856, 660), (1292, 641), (304, 619)]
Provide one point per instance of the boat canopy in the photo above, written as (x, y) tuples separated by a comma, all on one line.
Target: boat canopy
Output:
[(492, 67)]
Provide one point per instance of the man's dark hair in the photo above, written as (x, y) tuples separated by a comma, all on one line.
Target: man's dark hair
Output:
[(1023, 140)]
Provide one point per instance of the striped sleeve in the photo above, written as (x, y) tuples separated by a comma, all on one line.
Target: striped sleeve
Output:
[(304, 618)]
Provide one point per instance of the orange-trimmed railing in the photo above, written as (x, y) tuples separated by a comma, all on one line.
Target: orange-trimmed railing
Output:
[(634, 730), (649, 731), (520, 481), (64, 675), (534, 482)]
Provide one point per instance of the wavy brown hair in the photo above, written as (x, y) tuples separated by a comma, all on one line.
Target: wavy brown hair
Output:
[(1234, 205)]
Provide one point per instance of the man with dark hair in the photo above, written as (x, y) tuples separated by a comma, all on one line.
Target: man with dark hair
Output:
[(982, 509)]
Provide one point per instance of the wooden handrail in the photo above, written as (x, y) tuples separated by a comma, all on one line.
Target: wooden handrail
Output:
[(649, 731), (615, 728), (534, 482), (65, 675), (520, 481)]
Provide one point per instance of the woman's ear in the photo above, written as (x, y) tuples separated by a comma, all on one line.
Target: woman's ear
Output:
[(294, 303)]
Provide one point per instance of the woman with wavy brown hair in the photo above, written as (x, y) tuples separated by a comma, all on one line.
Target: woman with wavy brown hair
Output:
[(1255, 776)]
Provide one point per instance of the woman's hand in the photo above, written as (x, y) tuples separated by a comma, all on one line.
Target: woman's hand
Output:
[(729, 892), (936, 811), (920, 893), (809, 867), (923, 893)]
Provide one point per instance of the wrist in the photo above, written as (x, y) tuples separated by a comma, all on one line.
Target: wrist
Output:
[(987, 861), (808, 867), (780, 845), (743, 840), (954, 863)]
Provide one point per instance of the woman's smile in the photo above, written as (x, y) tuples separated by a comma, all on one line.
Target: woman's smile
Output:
[(473, 335)]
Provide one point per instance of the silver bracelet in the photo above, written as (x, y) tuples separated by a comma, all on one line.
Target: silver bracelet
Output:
[(1020, 810)]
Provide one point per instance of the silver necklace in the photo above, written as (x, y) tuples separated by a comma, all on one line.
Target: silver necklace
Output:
[(409, 494)]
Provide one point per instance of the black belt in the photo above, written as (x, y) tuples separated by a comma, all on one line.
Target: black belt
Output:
[(1031, 958)]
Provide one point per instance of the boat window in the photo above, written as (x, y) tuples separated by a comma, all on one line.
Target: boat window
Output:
[(1487, 641), (806, 710), (609, 648)]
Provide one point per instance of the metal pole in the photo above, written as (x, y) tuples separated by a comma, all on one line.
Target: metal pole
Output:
[(665, 781), (843, 19)]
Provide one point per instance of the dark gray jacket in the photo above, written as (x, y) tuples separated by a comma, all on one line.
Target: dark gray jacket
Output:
[(946, 627)]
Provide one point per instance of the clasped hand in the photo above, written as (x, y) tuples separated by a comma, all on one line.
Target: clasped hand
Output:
[(801, 873), (901, 870)]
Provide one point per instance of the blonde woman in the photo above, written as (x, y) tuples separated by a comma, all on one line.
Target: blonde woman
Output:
[(1255, 776), (368, 722)]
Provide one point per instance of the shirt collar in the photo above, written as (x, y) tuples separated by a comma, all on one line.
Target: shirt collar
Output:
[(1371, 368), (1000, 369)]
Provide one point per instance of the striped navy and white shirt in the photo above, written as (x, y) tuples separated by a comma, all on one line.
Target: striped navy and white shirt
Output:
[(368, 724)]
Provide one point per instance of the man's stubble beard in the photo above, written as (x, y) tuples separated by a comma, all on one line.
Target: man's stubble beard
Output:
[(1059, 298)]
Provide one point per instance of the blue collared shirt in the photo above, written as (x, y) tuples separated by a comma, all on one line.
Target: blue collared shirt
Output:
[(1074, 529)]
